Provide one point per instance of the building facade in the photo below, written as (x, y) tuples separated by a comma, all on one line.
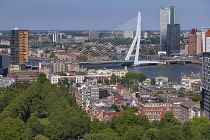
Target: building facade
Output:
[(203, 35), (173, 39), (205, 106), (166, 17), (19, 46), (93, 35), (192, 42)]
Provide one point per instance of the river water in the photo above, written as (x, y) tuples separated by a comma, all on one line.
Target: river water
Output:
[(173, 71)]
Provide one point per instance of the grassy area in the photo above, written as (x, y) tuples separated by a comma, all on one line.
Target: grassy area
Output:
[(44, 121)]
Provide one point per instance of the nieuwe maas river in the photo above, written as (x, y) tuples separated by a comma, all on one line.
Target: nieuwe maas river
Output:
[(173, 71)]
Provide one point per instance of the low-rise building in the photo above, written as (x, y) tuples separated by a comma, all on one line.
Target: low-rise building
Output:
[(24, 76), (161, 81), (189, 109), (154, 108)]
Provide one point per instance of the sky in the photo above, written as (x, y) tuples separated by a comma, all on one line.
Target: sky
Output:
[(98, 14)]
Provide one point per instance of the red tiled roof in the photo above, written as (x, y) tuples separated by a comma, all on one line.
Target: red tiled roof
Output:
[(120, 87), (118, 97), (110, 114), (104, 99), (100, 111)]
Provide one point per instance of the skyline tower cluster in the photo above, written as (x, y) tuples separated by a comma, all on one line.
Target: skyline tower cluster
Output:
[(169, 31)]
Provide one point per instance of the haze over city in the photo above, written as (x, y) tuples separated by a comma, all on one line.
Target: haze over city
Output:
[(97, 14)]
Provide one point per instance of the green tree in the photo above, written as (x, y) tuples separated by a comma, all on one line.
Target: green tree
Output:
[(113, 79), (11, 129), (134, 132), (46, 51), (168, 120), (80, 73), (41, 137), (52, 55), (135, 89), (106, 81), (152, 82), (151, 134), (115, 108), (171, 133), (63, 74), (128, 118), (96, 126), (196, 98), (42, 77), (32, 128), (103, 93)]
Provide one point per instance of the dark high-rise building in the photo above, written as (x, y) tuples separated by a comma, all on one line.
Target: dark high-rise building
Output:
[(205, 105), (1, 66), (172, 15), (173, 39), (19, 46)]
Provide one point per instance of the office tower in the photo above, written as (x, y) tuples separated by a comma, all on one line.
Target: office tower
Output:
[(55, 36), (1, 66), (199, 43), (146, 34), (166, 17), (192, 42), (205, 105), (93, 35), (204, 30), (207, 41), (173, 39), (19, 46), (128, 34)]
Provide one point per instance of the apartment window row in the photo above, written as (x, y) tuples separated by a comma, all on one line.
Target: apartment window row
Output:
[(149, 113)]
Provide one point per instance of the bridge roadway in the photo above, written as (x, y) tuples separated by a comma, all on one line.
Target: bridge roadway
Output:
[(123, 62)]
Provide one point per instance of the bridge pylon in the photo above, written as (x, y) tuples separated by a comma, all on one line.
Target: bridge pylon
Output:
[(136, 42)]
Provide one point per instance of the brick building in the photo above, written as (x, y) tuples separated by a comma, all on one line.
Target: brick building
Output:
[(154, 108)]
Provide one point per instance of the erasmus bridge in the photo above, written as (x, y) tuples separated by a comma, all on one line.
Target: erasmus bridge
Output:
[(131, 56)]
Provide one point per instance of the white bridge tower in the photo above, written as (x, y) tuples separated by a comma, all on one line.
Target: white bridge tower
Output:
[(136, 42)]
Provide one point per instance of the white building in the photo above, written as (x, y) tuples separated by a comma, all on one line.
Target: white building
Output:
[(161, 80), (187, 80), (129, 34)]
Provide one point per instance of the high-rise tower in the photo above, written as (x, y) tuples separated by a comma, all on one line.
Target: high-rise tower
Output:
[(166, 17), (19, 46), (205, 105)]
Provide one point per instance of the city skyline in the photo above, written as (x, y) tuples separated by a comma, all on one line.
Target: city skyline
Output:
[(97, 15)]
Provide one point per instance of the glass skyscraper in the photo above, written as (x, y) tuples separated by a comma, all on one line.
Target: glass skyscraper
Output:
[(166, 17)]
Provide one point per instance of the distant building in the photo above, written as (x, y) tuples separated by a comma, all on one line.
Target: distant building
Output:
[(154, 108), (188, 80), (173, 39), (204, 38), (24, 76), (189, 109), (19, 46), (199, 43), (55, 36), (192, 42), (166, 17), (93, 35), (129, 34), (208, 41), (205, 106), (146, 34), (161, 80)]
